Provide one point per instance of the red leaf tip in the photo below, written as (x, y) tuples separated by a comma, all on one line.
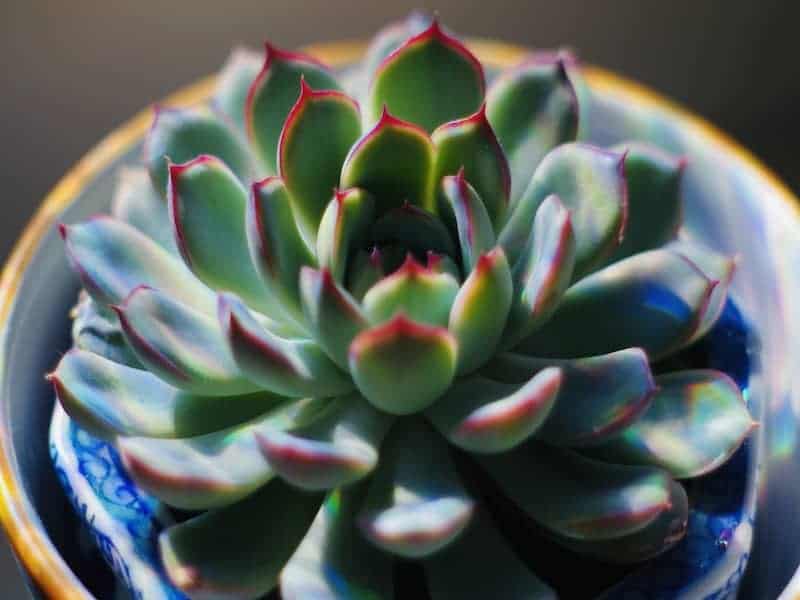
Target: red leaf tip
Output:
[(63, 231)]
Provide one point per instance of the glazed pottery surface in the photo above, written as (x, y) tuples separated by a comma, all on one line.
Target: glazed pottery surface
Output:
[(741, 530)]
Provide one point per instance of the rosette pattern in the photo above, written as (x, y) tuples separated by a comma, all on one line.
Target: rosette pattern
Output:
[(307, 313)]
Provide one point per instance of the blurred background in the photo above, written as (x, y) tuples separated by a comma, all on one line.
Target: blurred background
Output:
[(73, 70)]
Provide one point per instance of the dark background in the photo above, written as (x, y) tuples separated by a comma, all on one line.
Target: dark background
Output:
[(71, 70)]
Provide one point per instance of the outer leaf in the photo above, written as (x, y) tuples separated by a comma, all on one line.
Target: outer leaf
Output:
[(334, 562), (413, 290), (543, 272), (485, 416), (576, 497), (273, 93), (403, 366), (111, 399), (532, 108), (112, 259), (343, 229), (317, 135), (472, 222), (336, 449), (137, 203), (413, 229), (696, 421), (416, 503), (655, 300), (238, 551), (179, 344), (470, 144), (449, 575), (600, 395), (394, 162), (480, 309), (290, 367), (179, 135), (429, 80), (95, 328), (233, 84), (334, 316), (590, 182)]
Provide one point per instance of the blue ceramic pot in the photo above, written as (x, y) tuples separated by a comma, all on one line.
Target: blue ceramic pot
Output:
[(743, 520)]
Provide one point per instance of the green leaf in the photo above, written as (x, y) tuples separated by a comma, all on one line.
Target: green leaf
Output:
[(429, 80), (655, 300), (315, 140), (590, 182), (600, 395), (111, 399), (543, 272), (180, 135), (336, 449), (182, 346), (474, 565), (576, 497), (402, 366), (480, 309), (391, 37), (469, 145), (233, 83), (393, 162), (414, 229), (485, 416), (334, 316), (238, 551), (416, 504), (696, 421), (413, 290), (95, 329), (113, 258), (472, 222), (334, 562), (272, 95), (364, 271), (343, 229), (207, 205), (290, 367), (137, 203), (533, 109)]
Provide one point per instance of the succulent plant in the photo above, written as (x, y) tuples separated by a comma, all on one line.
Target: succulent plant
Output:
[(433, 282)]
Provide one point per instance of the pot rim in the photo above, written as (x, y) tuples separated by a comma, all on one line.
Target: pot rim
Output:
[(30, 543)]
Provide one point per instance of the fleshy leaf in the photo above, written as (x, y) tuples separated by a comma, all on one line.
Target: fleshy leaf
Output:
[(113, 258), (317, 135), (600, 395), (532, 108), (696, 421), (214, 469), (485, 416), (607, 310), (391, 37), (290, 367), (111, 399), (137, 203), (393, 162), (233, 84), (95, 329), (238, 551), (441, 263), (429, 80), (365, 270), (334, 562), (402, 366), (343, 229), (590, 182), (207, 206), (336, 449), (272, 95), (180, 135), (472, 222), (276, 246), (421, 294), (470, 145), (576, 497), (449, 573), (480, 309), (416, 504), (414, 229), (543, 272), (334, 316), (654, 201), (179, 344)]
